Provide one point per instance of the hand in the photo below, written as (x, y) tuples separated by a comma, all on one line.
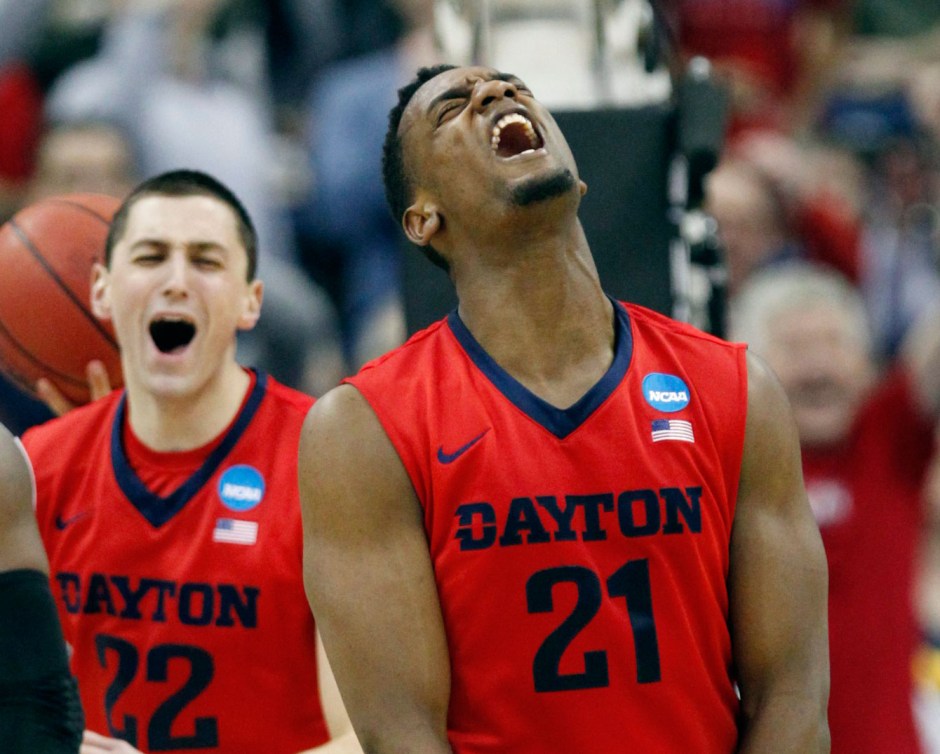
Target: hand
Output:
[(99, 385), (95, 743)]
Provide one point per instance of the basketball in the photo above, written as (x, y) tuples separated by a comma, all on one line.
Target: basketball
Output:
[(47, 328)]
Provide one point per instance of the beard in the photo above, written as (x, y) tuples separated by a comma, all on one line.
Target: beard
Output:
[(540, 188)]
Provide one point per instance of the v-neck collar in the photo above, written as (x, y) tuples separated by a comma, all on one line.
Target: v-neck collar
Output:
[(155, 508), (560, 422)]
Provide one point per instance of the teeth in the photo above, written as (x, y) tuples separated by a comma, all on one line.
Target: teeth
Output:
[(507, 120)]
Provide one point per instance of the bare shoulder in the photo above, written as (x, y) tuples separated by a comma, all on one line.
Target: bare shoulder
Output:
[(337, 408), (347, 461), (767, 402), (771, 464), (342, 427)]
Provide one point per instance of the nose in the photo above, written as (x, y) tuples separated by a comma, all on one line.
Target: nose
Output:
[(485, 93), (176, 274)]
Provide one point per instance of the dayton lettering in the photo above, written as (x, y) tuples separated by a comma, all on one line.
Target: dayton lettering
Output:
[(159, 600), (531, 520)]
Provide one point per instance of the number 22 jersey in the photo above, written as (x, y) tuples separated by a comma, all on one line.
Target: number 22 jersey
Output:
[(581, 555), (186, 615)]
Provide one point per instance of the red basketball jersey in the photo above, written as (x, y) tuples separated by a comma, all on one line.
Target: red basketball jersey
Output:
[(186, 614), (581, 555)]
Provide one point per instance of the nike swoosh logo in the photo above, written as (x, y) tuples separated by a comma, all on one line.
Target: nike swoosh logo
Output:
[(63, 523), (451, 457)]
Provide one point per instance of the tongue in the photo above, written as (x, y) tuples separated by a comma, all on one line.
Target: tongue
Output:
[(513, 140)]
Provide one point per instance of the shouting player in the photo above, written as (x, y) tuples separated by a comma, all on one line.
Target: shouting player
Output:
[(553, 522), (169, 510)]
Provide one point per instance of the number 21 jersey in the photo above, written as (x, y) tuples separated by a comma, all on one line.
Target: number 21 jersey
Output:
[(581, 555)]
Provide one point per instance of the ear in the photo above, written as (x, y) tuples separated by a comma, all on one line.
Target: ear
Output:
[(251, 308), (421, 222), (583, 186), (100, 292)]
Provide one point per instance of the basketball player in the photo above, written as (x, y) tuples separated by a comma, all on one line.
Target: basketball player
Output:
[(553, 522), (169, 510), (39, 706), (867, 439)]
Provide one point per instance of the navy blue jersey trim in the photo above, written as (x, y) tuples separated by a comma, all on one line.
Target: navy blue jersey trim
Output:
[(560, 422), (158, 510)]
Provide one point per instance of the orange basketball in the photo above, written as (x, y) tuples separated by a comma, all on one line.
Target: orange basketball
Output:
[(47, 328)]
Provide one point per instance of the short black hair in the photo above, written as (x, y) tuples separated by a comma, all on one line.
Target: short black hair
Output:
[(182, 183), (398, 187)]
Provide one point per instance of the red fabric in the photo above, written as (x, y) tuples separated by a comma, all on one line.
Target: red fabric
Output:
[(539, 517), (21, 124), (867, 498), (183, 640), (163, 473), (755, 39), (756, 34), (831, 234)]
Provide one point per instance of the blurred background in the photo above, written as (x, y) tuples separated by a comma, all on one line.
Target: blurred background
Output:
[(719, 138)]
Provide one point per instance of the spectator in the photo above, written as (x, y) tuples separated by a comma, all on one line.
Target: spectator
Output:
[(752, 220), (84, 157), (349, 241), (776, 56), (866, 442)]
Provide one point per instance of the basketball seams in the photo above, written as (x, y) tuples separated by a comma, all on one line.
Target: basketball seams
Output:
[(46, 253), (57, 279), (79, 206), (23, 380)]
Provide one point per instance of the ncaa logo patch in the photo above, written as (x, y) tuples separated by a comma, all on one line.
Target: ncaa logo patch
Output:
[(665, 392), (241, 488)]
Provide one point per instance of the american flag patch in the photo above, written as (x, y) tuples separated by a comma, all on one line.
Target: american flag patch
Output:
[(672, 429), (236, 532)]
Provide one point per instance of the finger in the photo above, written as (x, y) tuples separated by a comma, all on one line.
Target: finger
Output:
[(52, 397), (99, 384), (94, 743)]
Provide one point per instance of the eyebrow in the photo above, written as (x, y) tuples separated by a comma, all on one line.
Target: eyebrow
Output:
[(159, 243), (463, 90)]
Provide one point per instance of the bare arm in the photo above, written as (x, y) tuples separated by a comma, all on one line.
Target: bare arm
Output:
[(819, 36), (369, 579), (342, 737), (41, 709), (20, 545), (778, 586)]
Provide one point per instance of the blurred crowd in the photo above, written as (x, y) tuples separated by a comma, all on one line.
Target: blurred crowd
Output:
[(284, 101), (832, 156)]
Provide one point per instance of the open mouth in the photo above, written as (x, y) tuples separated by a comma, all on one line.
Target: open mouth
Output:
[(513, 135), (171, 334)]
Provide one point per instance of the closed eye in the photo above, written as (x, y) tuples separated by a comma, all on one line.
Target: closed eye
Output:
[(148, 259), (208, 263), (451, 107)]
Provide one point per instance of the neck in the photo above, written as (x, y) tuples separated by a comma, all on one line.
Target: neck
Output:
[(537, 307), (168, 422)]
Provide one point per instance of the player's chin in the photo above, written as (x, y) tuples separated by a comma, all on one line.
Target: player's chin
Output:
[(543, 186), (169, 384)]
